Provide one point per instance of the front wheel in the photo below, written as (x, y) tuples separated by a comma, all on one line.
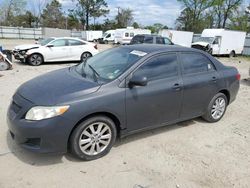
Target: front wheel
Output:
[(216, 108), (35, 59), (93, 138)]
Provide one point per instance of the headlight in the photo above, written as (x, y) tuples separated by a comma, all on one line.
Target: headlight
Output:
[(43, 112)]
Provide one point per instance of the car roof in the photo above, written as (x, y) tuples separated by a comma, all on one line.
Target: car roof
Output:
[(151, 48), (148, 35)]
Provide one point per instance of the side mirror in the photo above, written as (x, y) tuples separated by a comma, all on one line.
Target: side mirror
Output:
[(138, 81), (50, 45)]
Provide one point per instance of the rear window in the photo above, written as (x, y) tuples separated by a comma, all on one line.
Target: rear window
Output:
[(195, 63)]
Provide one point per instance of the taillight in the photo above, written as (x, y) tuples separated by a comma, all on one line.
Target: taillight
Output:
[(95, 47), (238, 76)]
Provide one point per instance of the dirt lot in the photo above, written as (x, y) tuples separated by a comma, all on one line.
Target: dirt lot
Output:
[(189, 154)]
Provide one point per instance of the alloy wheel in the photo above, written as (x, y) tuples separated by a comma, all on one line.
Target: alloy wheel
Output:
[(95, 138), (218, 108), (36, 59)]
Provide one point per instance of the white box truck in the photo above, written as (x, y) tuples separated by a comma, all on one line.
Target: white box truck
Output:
[(91, 35), (124, 35), (221, 42), (182, 38)]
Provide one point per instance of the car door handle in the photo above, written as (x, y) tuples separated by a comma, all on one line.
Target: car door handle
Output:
[(176, 87)]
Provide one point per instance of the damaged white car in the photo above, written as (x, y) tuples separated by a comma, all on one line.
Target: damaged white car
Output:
[(55, 50)]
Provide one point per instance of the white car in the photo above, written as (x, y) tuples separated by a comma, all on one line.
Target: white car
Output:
[(54, 50)]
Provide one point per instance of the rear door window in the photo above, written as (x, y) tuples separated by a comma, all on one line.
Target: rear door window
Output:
[(148, 40), (75, 42), (126, 34), (195, 63), (163, 66)]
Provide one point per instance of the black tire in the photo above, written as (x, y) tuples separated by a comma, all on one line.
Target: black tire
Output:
[(78, 134), (232, 54), (208, 116), (35, 59), (85, 56)]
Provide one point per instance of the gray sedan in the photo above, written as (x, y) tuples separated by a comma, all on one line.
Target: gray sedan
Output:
[(84, 108)]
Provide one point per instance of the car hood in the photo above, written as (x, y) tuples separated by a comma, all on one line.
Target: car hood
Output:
[(27, 46), (56, 87), (204, 44)]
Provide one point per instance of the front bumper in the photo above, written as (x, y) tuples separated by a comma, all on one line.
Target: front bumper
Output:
[(19, 56), (45, 136)]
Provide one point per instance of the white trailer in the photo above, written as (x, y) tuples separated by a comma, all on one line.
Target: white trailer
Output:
[(182, 38), (221, 42), (124, 36), (91, 35)]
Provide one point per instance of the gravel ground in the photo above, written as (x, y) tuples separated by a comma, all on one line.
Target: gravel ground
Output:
[(189, 154)]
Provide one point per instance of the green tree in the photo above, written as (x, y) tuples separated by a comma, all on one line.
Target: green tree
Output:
[(193, 14), (135, 25), (223, 10), (240, 20), (9, 9), (124, 17), (25, 20), (52, 15), (86, 9)]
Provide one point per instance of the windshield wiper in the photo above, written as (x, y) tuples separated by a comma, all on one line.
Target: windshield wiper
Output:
[(95, 73)]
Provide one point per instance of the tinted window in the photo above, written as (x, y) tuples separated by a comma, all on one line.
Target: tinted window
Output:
[(195, 63), (148, 40), (137, 40), (75, 42), (126, 34), (132, 34), (163, 66), (159, 40), (59, 42)]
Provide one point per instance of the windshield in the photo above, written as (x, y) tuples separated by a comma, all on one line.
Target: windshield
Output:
[(206, 39), (105, 34), (108, 65), (46, 41)]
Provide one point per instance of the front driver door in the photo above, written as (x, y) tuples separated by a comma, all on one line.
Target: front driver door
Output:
[(160, 100), (58, 52)]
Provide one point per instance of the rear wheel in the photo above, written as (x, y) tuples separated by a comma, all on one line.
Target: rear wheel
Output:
[(216, 108), (93, 138), (35, 59), (85, 56)]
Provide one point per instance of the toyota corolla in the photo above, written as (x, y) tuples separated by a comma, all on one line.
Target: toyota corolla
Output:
[(84, 108)]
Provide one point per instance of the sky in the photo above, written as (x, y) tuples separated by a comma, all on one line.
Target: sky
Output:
[(145, 12)]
